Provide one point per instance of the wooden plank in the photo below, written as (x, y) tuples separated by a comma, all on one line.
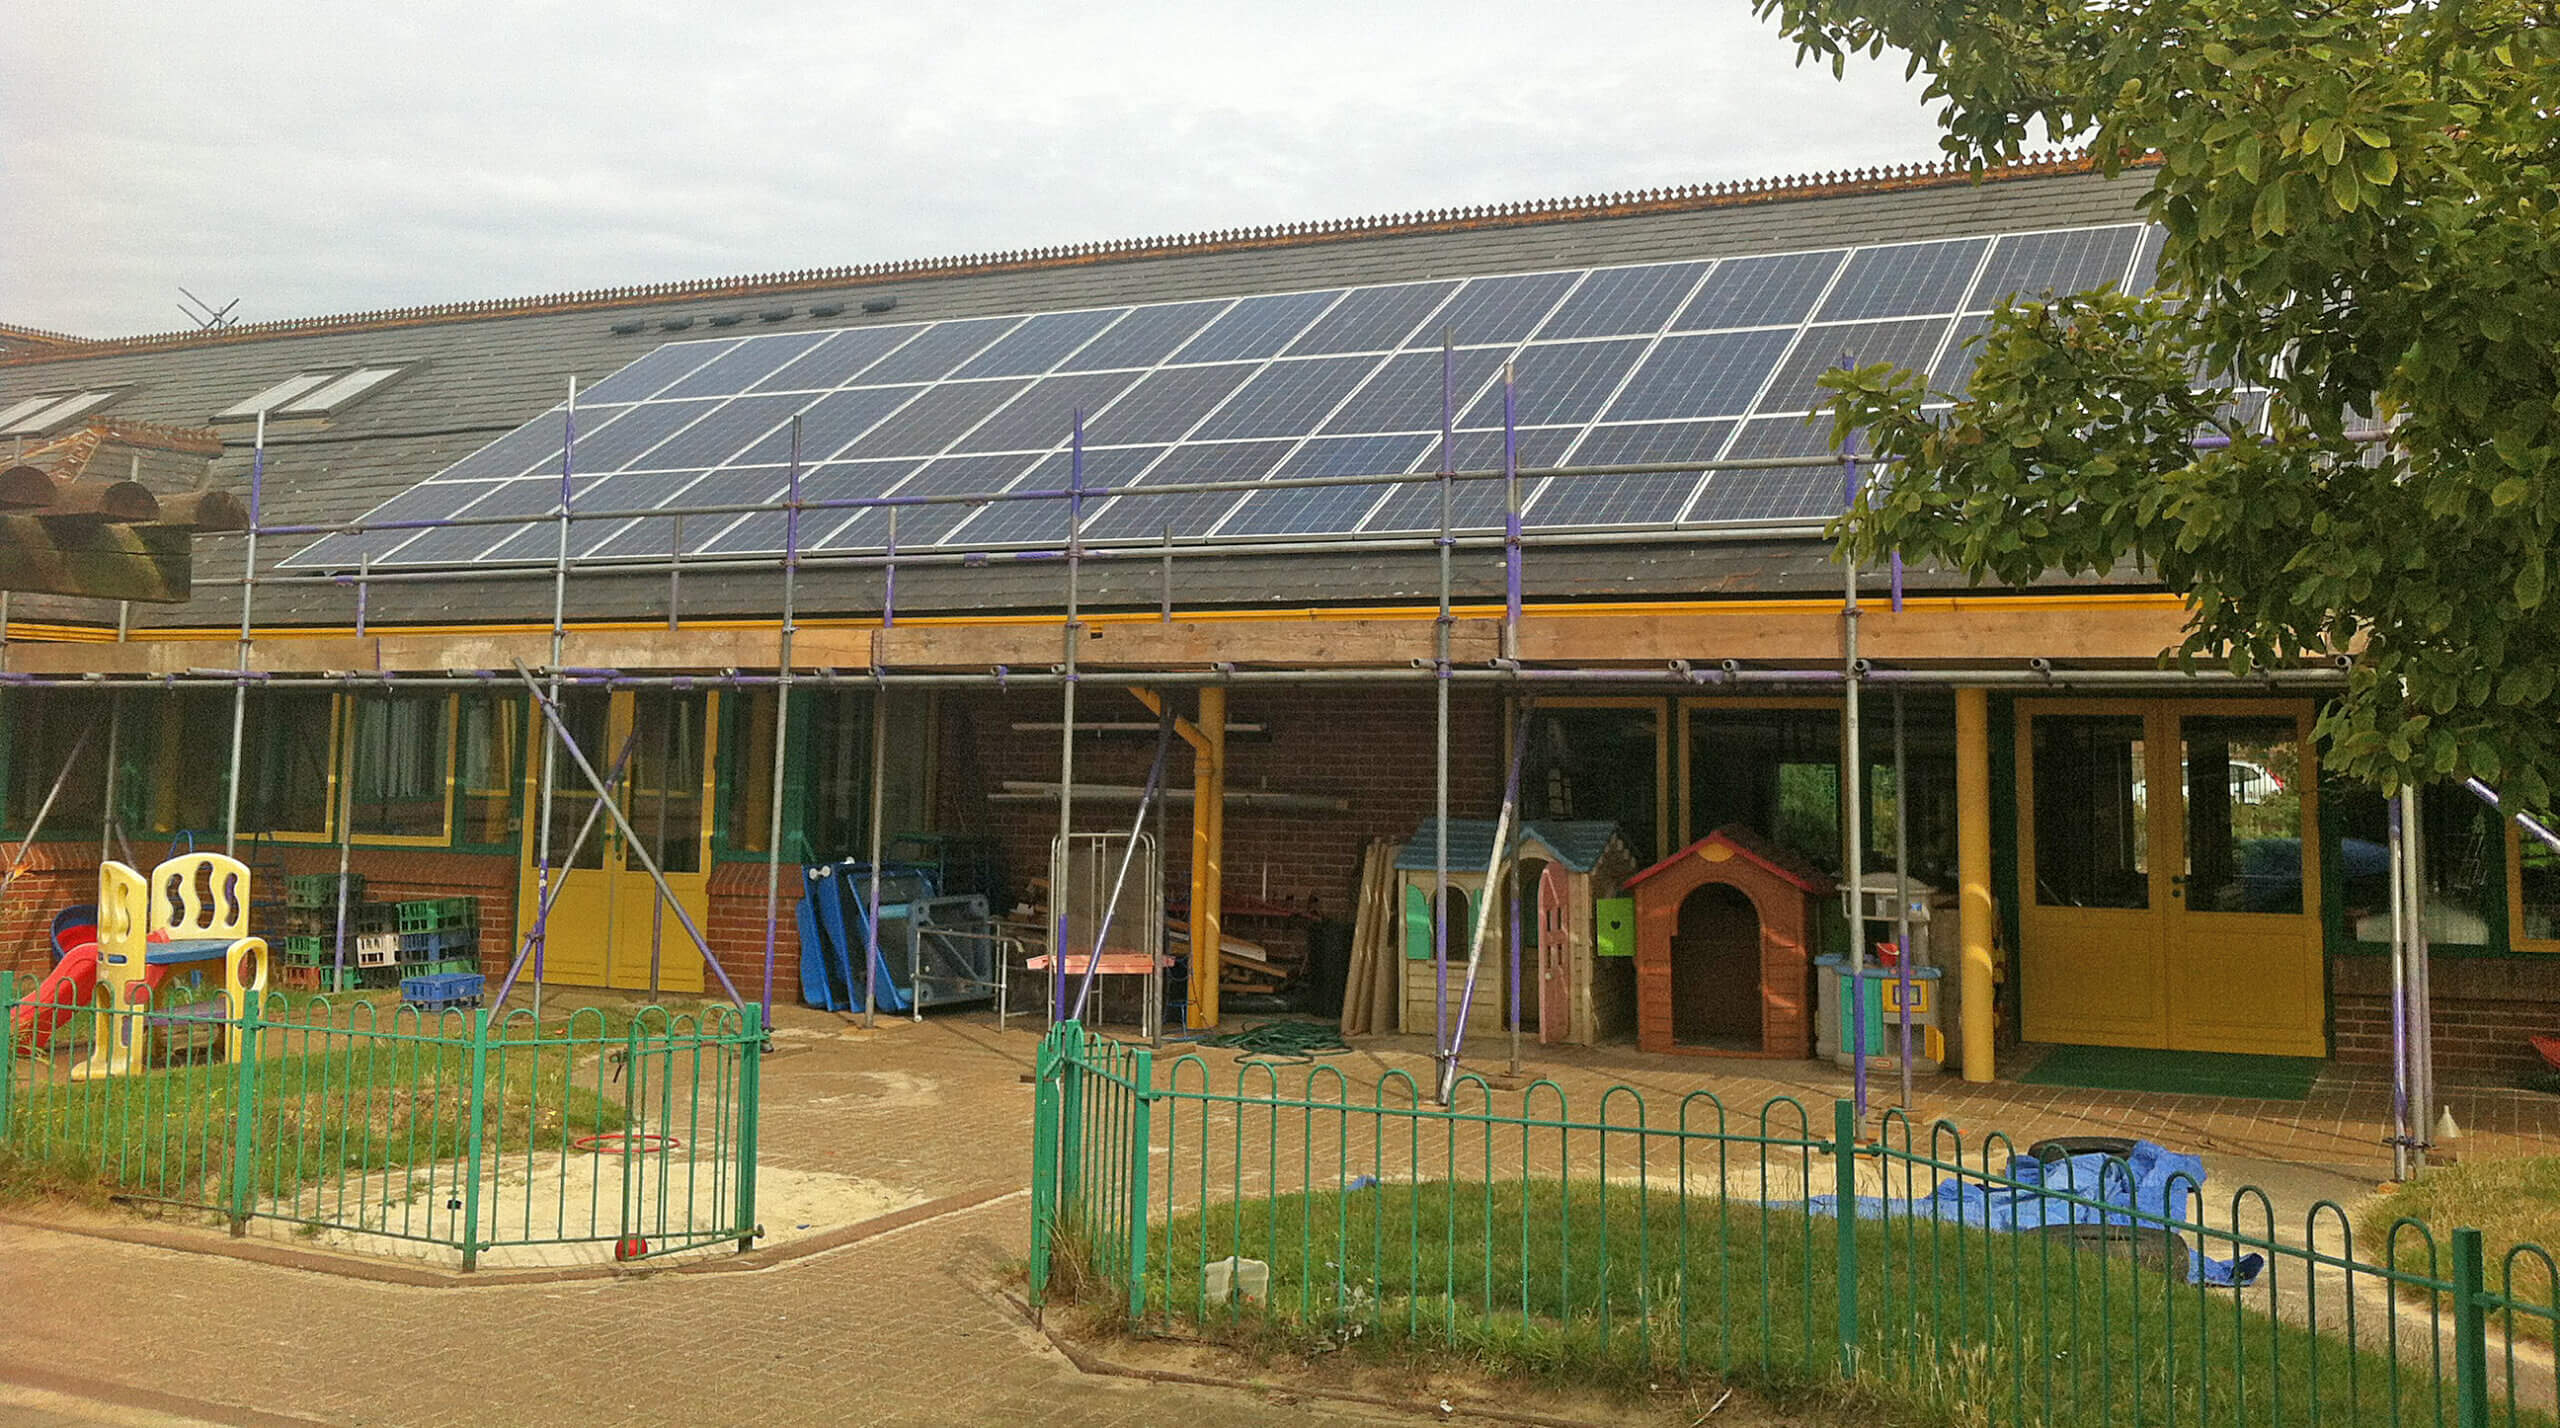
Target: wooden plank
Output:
[(2068, 630), (1184, 644)]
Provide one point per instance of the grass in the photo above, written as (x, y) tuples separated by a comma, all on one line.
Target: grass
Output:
[(1591, 1284), (332, 1107), (2515, 1204)]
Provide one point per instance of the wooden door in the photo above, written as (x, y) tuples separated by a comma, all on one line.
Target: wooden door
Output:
[(665, 792), (1555, 956), (578, 934), (2242, 956), (2093, 886)]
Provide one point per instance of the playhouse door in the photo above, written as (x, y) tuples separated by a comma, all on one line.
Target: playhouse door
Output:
[(1555, 956)]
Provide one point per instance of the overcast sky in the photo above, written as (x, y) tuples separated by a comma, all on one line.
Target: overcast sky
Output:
[(321, 158)]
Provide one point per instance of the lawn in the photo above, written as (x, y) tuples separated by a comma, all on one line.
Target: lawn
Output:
[(2512, 1203), (331, 1105), (1957, 1327)]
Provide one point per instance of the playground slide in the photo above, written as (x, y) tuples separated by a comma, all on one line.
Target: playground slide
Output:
[(64, 994)]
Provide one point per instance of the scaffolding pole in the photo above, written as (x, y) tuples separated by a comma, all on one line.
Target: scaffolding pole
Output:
[(248, 593), (551, 725), (1067, 711), (1440, 735), (781, 723), (1853, 846)]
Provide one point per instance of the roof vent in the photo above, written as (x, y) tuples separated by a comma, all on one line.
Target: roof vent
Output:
[(675, 324), (826, 309), (625, 329), (879, 304), (773, 314), (728, 319)]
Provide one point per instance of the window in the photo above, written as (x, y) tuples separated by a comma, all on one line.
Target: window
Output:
[(2092, 835), (399, 765), (19, 411), (286, 771), (488, 768), (311, 394), (46, 726), (54, 414), (837, 817), (1774, 769), (2533, 891), (2462, 857), (1598, 760), (746, 795)]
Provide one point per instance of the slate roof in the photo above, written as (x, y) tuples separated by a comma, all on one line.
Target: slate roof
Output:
[(1579, 844), (481, 369)]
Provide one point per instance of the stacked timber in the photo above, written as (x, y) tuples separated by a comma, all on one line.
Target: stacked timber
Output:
[(1369, 991)]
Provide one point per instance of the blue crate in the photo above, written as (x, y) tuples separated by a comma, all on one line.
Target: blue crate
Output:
[(437, 945), (443, 989)]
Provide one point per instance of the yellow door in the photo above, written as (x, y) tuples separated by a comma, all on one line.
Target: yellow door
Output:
[(2243, 953), (2169, 896), (666, 793), (2093, 896), (578, 936), (609, 927)]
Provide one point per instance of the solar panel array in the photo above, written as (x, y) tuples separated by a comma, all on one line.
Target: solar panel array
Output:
[(1707, 360)]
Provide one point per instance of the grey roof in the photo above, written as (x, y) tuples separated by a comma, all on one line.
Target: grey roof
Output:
[(1578, 843), (479, 375)]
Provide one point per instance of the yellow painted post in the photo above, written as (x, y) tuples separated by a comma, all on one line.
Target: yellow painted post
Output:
[(1208, 855), (1973, 874)]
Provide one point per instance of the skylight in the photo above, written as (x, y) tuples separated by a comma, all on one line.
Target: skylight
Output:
[(53, 414), (306, 394)]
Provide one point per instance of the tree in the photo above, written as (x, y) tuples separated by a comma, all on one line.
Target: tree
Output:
[(2361, 206)]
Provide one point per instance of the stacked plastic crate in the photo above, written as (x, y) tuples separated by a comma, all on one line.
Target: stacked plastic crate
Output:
[(310, 951), (440, 952)]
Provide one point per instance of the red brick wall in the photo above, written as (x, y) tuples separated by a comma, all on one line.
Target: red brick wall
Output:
[(736, 930), (2485, 1007), (1372, 748)]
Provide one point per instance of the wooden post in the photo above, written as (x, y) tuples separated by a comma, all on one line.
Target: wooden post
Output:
[(1208, 855), (1973, 875)]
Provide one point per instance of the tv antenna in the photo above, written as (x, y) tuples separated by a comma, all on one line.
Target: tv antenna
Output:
[(204, 314)]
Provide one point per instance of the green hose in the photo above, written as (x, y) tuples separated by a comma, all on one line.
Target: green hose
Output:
[(1286, 1043)]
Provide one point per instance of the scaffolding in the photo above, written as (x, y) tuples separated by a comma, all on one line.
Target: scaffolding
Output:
[(545, 685)]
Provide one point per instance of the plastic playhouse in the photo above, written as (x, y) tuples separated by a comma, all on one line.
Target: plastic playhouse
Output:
[(188, 918)]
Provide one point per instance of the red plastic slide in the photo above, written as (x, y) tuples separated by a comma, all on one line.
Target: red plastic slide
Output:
[(63, 995)]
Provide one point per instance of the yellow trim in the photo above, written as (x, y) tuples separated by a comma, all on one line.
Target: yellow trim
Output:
[(2153, 600)]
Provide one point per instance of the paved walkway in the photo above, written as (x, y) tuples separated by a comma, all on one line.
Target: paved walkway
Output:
[(910, 1327)]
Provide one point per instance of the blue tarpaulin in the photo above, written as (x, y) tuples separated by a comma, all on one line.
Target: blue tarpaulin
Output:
[(2141, 1183)]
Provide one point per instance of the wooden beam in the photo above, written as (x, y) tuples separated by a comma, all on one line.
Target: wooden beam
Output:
[(2066, 630), (707, 652), (1185, 643), (85, 556)]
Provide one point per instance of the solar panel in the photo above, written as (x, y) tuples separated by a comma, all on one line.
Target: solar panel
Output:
[(1190, 513), (1288, 398), (1623, 300), (1308, 510), (1904, 280), (1630, 364), (1145, 337), (1780, 289), (1651, 499), (1773, 493), (2036, 265)]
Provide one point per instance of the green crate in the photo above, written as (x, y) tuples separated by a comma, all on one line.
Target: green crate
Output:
[(439, 914), (305, 949), (374, 917), (309, 890)]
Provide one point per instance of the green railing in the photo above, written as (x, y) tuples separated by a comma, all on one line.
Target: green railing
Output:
[(1614, 1235), (633, 1133)]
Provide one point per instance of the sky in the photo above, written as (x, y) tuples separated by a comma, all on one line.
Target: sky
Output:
[(323, 158)]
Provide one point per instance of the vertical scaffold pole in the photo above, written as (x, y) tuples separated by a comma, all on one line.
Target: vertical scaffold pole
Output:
[(781, 717), (879, 817), (1440, 741), (1853, 833), (1067, 721), (2403, 1134), (550, 735), (248, 596), (1902, 885)]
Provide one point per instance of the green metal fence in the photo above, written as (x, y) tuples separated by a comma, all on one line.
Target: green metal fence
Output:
[(1639, 1236), (633, 1133)]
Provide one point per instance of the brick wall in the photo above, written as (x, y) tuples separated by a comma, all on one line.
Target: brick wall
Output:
[(1372, 748), (736, 930), (2484, 1009)]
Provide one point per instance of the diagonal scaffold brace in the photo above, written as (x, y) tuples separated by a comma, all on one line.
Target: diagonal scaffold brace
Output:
[(541, 929), (631, 836)]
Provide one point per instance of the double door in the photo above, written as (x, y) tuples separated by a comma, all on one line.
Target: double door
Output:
[(609, 925), (2169, 889)]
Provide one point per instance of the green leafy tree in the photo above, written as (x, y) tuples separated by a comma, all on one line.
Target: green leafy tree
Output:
[(2361, 207)]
